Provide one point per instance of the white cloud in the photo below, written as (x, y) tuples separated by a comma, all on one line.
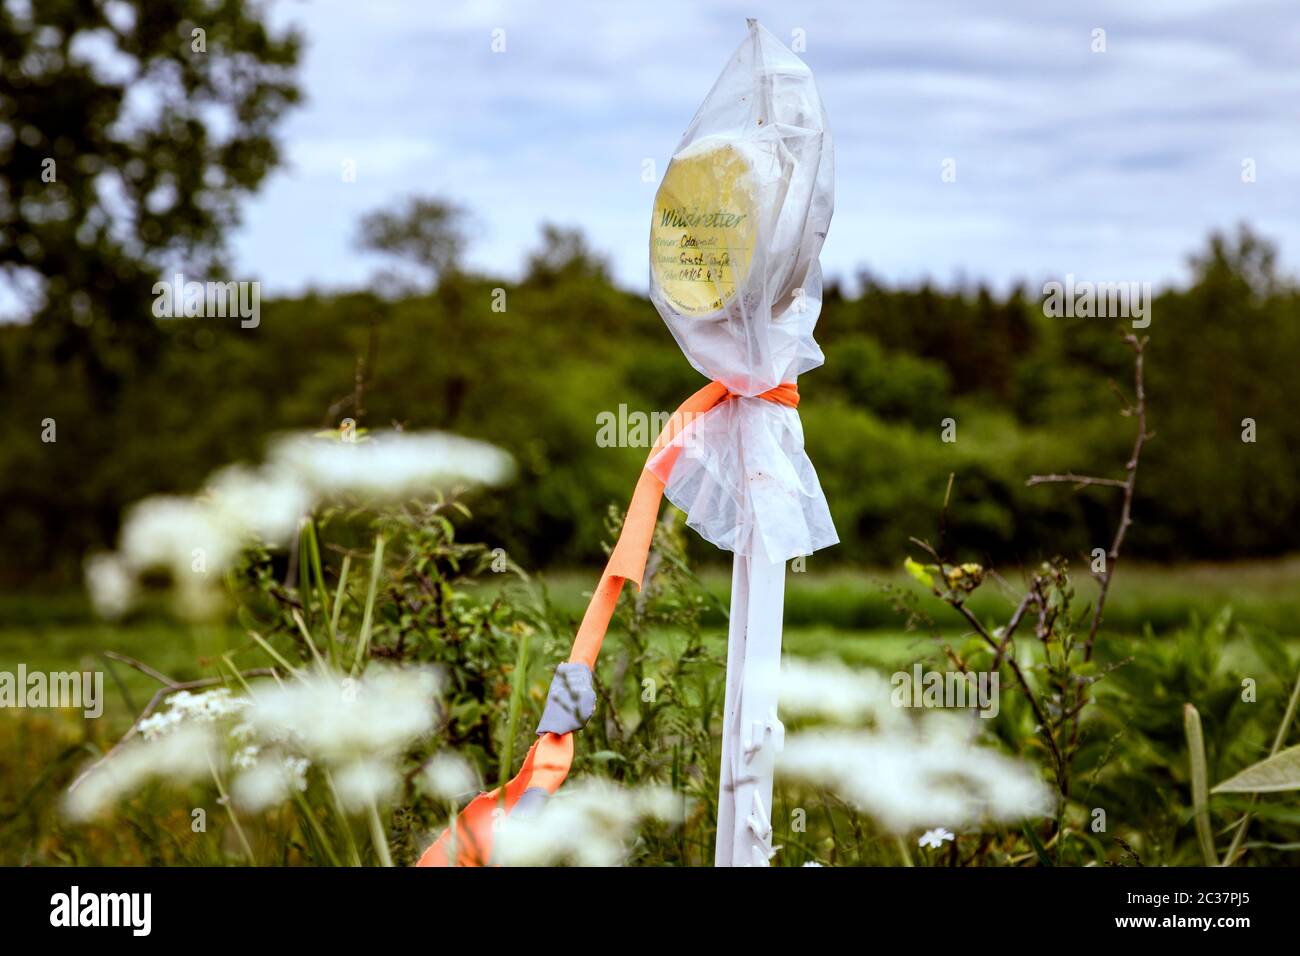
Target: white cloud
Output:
[(1116, 164)]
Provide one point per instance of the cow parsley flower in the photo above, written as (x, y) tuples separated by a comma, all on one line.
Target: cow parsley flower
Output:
[(268, 781), (365, 783), (196, 539), (834, 691), (183, 536), (178, 757), (392, 465), (904, 770), (111, 584), (587, 823), (265, 503), (449, 776), (910, 779), (245, 757), (185, 706), (935, 838), (342, 719)]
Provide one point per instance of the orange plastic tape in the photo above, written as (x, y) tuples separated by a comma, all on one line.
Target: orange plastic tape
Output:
[(469, 841)]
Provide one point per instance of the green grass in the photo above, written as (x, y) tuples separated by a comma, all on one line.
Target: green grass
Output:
[(844, 613), (180, 651), (1263, 594)]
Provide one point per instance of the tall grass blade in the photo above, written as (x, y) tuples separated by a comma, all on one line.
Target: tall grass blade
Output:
[(517, 682), (1200, 783), (368, 618)]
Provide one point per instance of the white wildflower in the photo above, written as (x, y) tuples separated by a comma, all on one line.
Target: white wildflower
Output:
[(935, 838), (296, 768), (832, 690), (266, 503), (588, 823), (186, 706), (179, 757), (342, 720), (449, 776), (196, 539), (111, 585), (181, 535), (911, 779), (159, 723), (260, 787), (391, 465), (245, 757), (208, 705), (268, 782), (812, 863), (366, 783)]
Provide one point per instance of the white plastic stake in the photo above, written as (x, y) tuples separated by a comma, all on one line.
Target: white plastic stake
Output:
[(751, 733)]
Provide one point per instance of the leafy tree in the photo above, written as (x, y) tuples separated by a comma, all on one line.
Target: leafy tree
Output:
[(564, 255), (427, 233), (129, 131), (896, 386)]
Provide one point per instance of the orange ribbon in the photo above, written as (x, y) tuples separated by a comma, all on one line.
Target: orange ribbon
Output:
[(549, 759)]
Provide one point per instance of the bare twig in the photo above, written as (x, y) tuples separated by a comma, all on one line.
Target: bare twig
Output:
[(1137, 410), (142, 667), (1009, 631), (1079, 481), (1123, 399), (1043, 725), (943, 516), (1036, 597), (1126, 511), (998, 647)]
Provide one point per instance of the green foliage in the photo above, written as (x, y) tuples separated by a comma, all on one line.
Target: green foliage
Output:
[(895, 386), (1200, 784), (133, 187), (1161, 719), (1278, 772), (569, 346), (117, 167), (1136, 758), (429, 233)]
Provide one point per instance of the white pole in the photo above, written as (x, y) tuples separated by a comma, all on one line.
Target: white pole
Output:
[(751, 733)]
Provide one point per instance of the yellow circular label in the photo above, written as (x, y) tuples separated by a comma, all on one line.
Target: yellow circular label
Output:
[(702, 234)]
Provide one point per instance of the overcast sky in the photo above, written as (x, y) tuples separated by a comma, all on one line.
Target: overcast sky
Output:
[(1112, 166)]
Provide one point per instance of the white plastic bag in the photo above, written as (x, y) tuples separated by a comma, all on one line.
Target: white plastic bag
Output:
[(738, 223)]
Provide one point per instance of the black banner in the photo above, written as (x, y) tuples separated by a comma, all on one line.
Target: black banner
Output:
[(336, 906)]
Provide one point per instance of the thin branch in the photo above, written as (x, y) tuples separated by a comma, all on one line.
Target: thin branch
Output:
[(1034, 597), (998, 648), (1079, 481), (1138, 411), (1011, 662), (142, 667), (1126, 511), (943, 515), (1127, 408), (1009, 632)]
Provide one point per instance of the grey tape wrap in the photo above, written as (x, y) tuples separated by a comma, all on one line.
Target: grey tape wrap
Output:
[(530, 801), (570, 702)]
